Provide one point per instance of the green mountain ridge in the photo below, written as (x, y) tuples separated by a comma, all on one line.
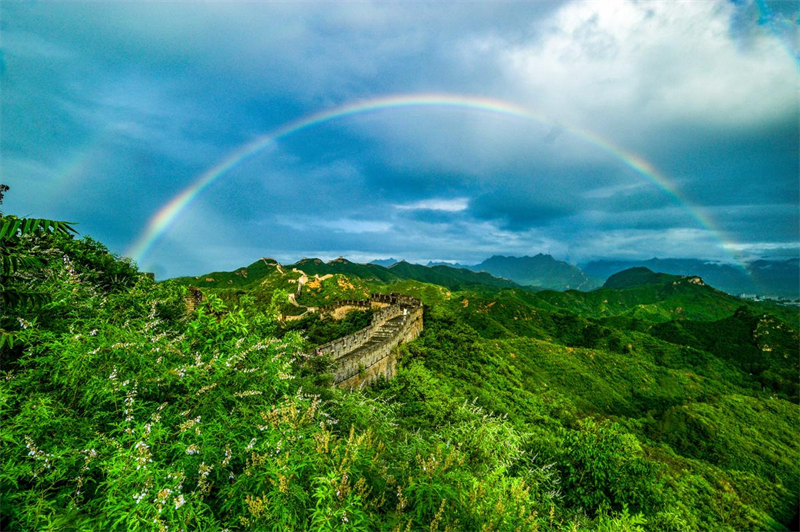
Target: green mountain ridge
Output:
[(637, 293), (639, 276), (761, 277), (640, 293), (441, 275)]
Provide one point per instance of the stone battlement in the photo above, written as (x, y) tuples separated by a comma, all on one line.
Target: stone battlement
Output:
[(363, 356), (339, 310), (375, 301)]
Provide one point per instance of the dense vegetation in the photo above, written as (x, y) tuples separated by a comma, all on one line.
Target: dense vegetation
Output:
[(608, 411)]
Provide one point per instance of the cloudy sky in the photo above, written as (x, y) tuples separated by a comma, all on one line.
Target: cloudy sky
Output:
[(110, 110)]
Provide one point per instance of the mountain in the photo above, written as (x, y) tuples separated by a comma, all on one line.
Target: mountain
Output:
[(451, 264), (763, 277), (260, 270), (385, 262), (448, 276), (237, 278), (637, 277), (342, 266), (542, 271), (642, 294)]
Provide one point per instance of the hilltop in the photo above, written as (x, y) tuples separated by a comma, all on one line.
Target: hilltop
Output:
[(762, 277)]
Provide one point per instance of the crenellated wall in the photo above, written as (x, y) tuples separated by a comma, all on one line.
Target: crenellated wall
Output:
[(339, 310), (365, 355)]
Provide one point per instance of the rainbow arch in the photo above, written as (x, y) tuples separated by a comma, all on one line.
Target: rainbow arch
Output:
[(164, 218)]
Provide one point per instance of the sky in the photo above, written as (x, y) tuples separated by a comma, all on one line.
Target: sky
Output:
[(110, 110)]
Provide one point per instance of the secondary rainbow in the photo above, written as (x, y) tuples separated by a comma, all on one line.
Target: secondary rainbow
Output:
[(161, 222)]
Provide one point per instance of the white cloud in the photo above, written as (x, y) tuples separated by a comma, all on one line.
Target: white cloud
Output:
[(436, 204), (338, 225), (345, 225), (633, 65)]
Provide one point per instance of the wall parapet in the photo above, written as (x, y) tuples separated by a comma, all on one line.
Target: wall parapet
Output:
[(353, 303), (359, 355)]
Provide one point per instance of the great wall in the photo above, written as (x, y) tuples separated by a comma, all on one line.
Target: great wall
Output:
[(362, 357)]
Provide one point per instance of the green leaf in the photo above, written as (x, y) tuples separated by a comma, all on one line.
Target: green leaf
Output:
[(6, 338)]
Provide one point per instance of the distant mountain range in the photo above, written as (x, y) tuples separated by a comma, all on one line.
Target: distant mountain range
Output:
[(540, 271), (386, 262), (543, 272), (777, 278)]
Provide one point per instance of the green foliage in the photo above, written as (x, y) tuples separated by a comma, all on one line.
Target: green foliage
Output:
[(123, 409), (622, 522), (13, 228), (18, 269), (758, 344), (322, 330), (677, 418), (605, 468)]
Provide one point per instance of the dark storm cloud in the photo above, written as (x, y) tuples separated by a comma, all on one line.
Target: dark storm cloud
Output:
[(520, 212)]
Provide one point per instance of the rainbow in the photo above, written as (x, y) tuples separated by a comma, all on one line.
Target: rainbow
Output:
[(161, 222)]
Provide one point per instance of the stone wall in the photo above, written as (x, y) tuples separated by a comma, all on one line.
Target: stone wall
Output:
[(342, 346), (379, 358), (193, 298), (339, 310), (384, 367)]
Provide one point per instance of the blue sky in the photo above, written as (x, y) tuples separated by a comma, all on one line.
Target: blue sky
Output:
[(111, 109)]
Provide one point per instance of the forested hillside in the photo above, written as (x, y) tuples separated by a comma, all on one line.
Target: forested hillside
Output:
[(654, 403), (763, 277)]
